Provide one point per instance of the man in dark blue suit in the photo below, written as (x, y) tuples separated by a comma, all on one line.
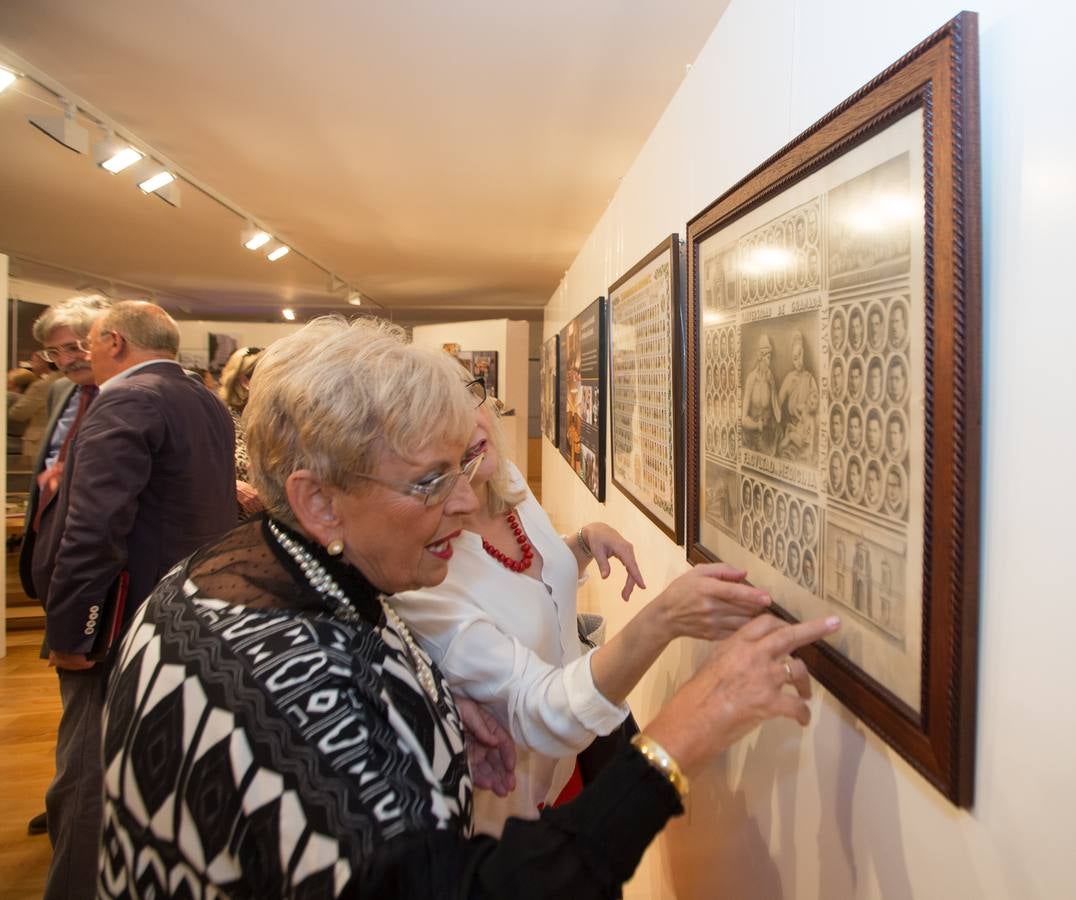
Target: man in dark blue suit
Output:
[(150, 477)]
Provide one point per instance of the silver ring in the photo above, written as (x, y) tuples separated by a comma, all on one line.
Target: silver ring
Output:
[(788, 670)]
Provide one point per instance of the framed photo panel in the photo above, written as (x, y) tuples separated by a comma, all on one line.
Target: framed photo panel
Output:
[(548, 399), (581, 366), (481, 364), (834, 393), (645, 362)]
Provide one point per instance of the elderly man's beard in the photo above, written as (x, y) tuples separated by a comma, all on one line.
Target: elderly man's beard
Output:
[(79, 366)]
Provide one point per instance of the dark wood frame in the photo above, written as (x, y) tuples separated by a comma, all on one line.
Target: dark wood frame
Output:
[(556, 389), (671, 248), (603, 390), (940, 76)]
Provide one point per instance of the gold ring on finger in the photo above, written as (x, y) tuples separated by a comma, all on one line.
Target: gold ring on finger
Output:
[(788, 670)]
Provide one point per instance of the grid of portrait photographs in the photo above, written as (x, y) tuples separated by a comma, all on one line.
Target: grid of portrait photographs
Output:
[(581, 364), (644, 317), (547, 389), (807, 417), (722, 383)]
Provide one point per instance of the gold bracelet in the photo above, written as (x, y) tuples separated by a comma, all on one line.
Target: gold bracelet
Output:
[(659, 758), (583, 545)]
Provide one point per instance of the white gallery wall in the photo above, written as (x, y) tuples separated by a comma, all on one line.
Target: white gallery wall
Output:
[(830, 811), (194, 336)]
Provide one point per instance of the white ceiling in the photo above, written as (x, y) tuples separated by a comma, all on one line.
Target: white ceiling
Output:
[(446, 157)]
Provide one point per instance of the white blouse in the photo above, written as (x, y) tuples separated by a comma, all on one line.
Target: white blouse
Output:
[(510, 642)]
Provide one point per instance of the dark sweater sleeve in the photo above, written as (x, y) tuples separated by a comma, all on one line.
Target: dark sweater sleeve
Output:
[(585, 849)]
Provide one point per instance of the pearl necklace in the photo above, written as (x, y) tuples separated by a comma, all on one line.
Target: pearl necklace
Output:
[(341, 607), (422, 668)]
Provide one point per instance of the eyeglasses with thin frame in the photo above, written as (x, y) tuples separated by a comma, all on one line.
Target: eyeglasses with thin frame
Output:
[(438, 488), (75, 348), (478, 390)]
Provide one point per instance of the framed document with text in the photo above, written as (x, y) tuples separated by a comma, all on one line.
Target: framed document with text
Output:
[(645, 361), (834, 391)]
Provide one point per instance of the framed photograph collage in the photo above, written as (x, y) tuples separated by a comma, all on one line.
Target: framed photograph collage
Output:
[(581, 396), (830, 444), (548, 389), (480, 363)]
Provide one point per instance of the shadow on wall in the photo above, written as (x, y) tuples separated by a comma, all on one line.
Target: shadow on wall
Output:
[(843, 761), (721, 846), (738, 836)]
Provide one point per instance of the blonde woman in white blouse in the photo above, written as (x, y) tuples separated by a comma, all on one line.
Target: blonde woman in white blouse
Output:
[(502, 627)]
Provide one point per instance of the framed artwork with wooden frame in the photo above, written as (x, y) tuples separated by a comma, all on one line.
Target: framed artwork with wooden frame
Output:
[(582, 389), (834, 395), (645, 385)]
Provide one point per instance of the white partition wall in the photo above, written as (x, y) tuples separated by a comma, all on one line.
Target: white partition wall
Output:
[(831, 812), (511, 341), (194, 335)]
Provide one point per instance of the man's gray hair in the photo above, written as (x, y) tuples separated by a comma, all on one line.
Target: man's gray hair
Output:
[(77, 313), (144, 325)]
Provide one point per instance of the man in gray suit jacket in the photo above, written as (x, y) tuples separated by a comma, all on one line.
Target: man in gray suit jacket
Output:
[(150, 477), (61, 330)]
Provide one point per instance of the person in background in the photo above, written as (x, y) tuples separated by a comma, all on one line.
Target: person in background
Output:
[(302, 741), (19, 382), (148, 479), (234, 390), (502, 626), (32, 408)]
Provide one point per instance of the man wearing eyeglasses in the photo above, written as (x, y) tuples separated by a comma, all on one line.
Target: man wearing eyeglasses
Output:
[(61, 330), (149, 479)]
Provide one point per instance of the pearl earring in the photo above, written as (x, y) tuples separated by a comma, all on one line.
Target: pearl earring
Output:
[(335, 547)]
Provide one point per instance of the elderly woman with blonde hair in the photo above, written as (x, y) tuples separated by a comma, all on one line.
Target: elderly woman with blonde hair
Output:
[(272, 727), (234, 390)]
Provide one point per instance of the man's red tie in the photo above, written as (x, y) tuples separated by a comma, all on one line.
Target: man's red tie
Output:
[(47, 492)]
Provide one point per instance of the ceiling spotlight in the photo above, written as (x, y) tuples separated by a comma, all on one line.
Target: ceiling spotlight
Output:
[(7, 78), (152, 179), (253, 238), (354, 298), (156, 182), (277, 253), (64, 129), (114, 156), (288, 314)]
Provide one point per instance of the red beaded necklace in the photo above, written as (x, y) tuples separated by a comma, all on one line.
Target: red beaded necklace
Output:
[(516, 565)]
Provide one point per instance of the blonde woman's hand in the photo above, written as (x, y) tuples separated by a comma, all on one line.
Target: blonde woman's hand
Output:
[(710, 602), (607, 543)]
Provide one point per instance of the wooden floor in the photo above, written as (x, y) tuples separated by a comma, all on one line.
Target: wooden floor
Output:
[(29, 714)]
